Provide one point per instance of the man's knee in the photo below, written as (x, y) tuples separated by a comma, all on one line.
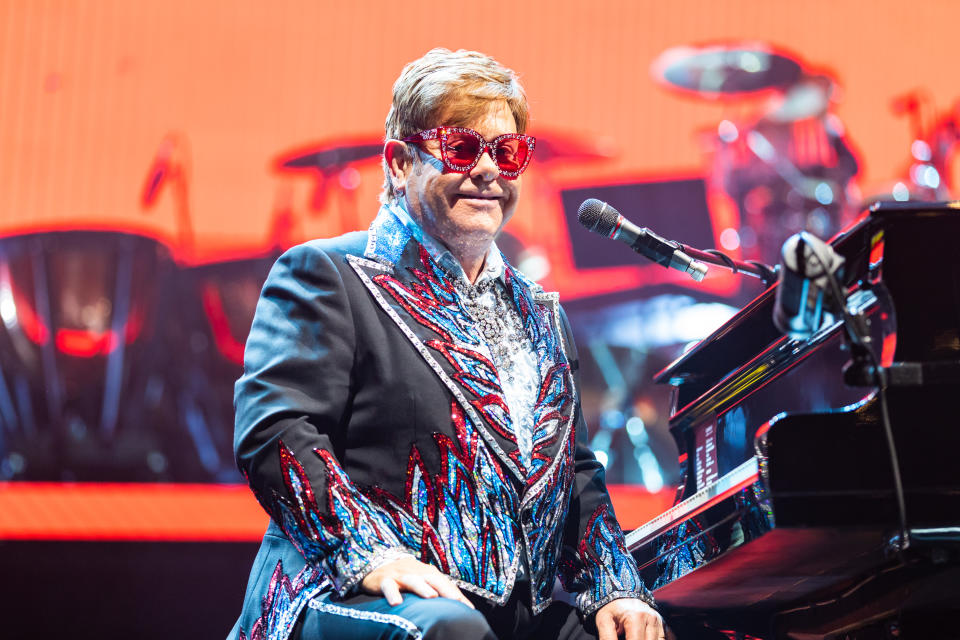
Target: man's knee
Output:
[(452, 620)]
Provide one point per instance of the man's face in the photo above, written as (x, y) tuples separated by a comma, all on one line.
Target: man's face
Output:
[(464, 211)]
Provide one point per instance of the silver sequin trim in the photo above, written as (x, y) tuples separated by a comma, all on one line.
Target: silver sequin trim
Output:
[(284, 632), (377, 560), (489, 595), (587, 608), (384, 618), (370, 264), (532, 491)]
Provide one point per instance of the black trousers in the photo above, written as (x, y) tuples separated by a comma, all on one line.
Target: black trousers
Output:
[(365, 617)]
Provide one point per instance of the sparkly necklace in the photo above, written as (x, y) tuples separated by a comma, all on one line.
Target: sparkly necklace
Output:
[(499, 323)]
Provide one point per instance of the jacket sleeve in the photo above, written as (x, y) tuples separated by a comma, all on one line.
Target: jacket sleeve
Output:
[(292, 406), (595, 563)]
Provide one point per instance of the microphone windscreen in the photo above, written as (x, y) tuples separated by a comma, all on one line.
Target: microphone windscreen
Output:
[(806, 264), (598, 216)]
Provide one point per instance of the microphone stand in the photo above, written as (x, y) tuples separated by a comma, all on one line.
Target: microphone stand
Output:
[(765, 272)]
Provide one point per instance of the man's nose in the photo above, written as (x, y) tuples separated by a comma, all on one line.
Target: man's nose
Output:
[(486, 167)]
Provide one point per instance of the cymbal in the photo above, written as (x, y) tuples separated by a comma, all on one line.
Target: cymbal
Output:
[(808, 98), (560, 145), (717, 70), (331, 157)]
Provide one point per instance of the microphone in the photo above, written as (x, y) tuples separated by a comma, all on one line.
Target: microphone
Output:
[(807, 264), (600, 217)]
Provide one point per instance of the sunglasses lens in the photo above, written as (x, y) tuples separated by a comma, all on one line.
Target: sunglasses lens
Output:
[(512, 154), (461, 149)]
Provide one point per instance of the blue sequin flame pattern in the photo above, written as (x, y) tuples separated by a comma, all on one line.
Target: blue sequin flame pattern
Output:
[(462, 516), (344, 539), (607, 566), (433, 302)]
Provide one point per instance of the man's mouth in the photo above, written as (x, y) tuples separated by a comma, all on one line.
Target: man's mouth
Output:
[(475, 196)]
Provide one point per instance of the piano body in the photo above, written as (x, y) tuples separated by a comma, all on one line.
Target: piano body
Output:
[(786, 522)]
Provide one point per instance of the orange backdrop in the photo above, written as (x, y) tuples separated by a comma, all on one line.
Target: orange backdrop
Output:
[(90, 90), (94, 94)]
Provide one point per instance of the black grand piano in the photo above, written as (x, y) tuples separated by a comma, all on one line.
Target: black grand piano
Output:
[(790, 521)]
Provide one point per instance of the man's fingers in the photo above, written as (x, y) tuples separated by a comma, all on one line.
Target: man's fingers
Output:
[(408, 574), (654, 628), (416, 584), (633, 626), (606, 627), (447, 588), (391, 591)]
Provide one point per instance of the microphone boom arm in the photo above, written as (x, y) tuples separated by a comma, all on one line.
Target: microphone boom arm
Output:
[(599, 217), (766, 273)]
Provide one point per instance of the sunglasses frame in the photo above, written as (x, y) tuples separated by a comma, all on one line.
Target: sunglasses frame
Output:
[(443, 133)]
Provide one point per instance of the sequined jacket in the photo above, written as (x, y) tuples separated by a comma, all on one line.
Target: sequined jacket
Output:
[(369, 425)]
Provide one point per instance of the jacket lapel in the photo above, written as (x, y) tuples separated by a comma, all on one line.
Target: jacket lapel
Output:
[(422, 300), (552, 416)]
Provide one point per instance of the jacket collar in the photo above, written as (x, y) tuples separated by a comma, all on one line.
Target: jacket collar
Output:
[(394, 227)]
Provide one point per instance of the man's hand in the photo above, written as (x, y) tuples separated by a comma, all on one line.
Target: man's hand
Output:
[(631, 618), (409, 574)]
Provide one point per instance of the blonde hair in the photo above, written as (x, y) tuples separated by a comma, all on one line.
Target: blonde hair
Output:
[(457, 86)]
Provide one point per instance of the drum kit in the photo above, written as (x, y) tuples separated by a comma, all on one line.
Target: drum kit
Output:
[(788, 167), (931, 173), (82, 363), (118, 355), (117, 362)]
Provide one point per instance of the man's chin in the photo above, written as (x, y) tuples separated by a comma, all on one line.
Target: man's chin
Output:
[(478, 227), (475, 232)]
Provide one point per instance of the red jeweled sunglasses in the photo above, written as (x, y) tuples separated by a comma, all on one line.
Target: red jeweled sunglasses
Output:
[(461, 149)]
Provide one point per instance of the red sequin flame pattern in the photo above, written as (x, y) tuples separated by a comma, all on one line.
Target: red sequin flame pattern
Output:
[(282, 603), (433, 302), (463, 515), (343, 537)]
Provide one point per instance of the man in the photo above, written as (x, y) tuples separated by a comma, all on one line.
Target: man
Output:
[(408, 413)]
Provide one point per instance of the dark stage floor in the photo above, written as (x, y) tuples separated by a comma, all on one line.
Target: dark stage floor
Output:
[(141, 590)]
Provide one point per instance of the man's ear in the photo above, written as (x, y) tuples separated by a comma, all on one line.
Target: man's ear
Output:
[(399, 163)]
